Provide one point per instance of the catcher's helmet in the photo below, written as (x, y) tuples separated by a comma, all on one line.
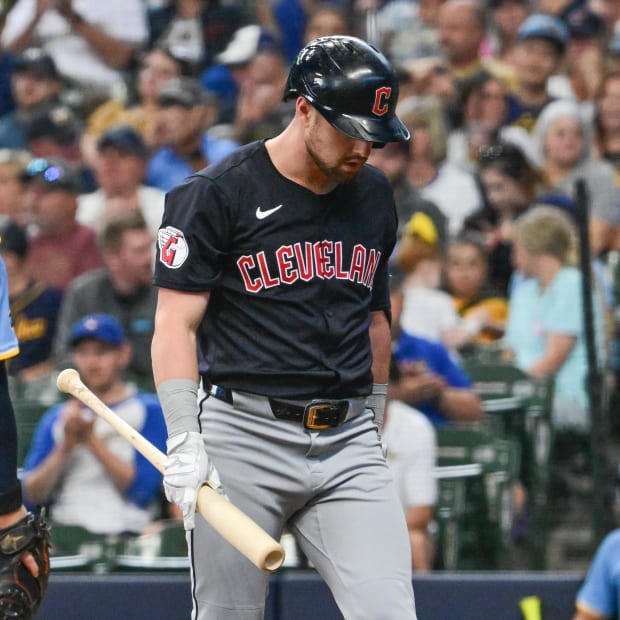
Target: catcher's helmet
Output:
[(352, 85)]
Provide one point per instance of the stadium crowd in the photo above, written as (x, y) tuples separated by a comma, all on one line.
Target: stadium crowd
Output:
[(105, 106)]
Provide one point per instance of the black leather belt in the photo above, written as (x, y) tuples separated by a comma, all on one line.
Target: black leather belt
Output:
[(316, 415)]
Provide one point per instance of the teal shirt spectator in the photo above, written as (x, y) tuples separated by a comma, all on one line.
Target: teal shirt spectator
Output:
[(535, 313)]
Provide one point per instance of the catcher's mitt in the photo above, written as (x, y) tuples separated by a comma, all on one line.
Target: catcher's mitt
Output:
[(20, 592)]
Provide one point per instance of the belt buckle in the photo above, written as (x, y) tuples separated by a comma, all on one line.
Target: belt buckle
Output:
[(318, 409)]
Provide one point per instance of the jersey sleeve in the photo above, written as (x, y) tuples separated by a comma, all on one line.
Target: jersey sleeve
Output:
[(8, 341), (43, 439), (599, 592), (147, 482), (194, 236)]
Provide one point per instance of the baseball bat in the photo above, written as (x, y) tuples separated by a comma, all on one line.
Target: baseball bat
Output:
[(230, 522)]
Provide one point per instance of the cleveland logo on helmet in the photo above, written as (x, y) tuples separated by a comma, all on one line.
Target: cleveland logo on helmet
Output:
[(352, 85)]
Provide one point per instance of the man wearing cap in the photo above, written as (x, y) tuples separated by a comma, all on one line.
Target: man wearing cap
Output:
[(60, 247), (34, 309), (89, 475), (36, 86), (186, 113), (120, 167), (539, 51)]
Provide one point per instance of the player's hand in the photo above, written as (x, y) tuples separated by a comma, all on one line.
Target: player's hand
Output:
[(187, 468)]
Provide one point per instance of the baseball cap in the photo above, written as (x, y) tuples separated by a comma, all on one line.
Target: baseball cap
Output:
[(183, 91), (124, 139), (545, 27), (245, 43), (37, 61), (52, 173), (585, 24), (57, 123), (13, 237), (99, 326)]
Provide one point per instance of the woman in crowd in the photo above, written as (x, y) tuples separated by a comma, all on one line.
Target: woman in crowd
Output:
[(510, 184), (563, 149), (453, 190), (607, 122), (466, 277)]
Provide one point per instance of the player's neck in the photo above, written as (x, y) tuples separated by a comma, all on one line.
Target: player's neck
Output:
[(288, 155)]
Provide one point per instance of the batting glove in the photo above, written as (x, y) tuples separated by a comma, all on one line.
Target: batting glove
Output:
[(376, 402), (186, 469)]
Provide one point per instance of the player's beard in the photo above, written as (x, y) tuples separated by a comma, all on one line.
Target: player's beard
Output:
[(341, 171)]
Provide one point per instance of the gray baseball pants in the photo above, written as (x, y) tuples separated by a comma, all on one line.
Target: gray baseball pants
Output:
[(333, 491)]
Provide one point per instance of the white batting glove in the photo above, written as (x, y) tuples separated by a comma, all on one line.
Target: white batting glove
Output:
[(376, 402), (186, 469)]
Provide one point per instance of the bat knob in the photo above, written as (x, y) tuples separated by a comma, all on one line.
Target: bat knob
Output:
[(68, 379)]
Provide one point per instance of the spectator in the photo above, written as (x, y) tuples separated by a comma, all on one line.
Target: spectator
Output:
[(60, 247), (453, 190), (90, 42), (34, 310), (323, 19), (187, 111), (36, 86), (418, 306), (393, 160), (510, 183), (229, 72), (462, 27), (6, 69), (432, 382), (411, 446), (483, 103), (261, 113), (506, 18), (541, 43), (121, 288), (609, 10), (194, 30), (140, 111), (597, 597), (55, 134), (12, 165), (562, 143), (90, 476), (120, 169), (483, 309), (545, 333), (607, 122)]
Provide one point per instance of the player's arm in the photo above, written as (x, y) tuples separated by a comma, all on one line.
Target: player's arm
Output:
[(380, 346), (173, 348)]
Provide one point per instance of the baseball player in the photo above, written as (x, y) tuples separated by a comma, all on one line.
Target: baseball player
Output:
[(24, 558), (274, 262)]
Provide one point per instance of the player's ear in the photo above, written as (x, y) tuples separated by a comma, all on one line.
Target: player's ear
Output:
[(304, 110)]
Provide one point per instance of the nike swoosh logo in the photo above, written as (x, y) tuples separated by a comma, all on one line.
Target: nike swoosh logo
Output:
[(261, 215)]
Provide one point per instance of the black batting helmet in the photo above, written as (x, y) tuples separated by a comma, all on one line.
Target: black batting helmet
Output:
[(352, 85)]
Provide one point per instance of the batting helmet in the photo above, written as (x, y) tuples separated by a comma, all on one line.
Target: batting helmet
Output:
[(352, 85)]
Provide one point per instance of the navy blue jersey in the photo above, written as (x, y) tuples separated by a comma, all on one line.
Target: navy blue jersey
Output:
[(293, 275)]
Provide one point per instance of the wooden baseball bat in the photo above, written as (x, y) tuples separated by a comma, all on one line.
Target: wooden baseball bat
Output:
[(232, 524)]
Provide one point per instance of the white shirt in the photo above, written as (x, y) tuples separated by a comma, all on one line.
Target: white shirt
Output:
[(411, 454), (150, 199), (427, 312), (456, 194), (74, 57)]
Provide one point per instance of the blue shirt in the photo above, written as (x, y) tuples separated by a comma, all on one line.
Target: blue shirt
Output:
[(600, 591), (437, 359), (146, 484), (166, 169), (535, 313)]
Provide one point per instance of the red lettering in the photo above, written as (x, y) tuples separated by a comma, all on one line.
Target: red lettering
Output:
[(371, 267), (358, 260), (304, 263), (168, 250), (341, 274), (245, 263), (380, 107), (288, 273), (268, 280)]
